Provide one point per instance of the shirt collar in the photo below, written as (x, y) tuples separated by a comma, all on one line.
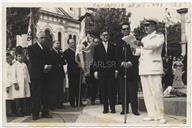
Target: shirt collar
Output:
[(151, 34), (105, 43), (72, 49), (40, 45), (55, 50)]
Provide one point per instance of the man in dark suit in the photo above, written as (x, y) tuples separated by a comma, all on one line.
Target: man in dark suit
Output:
[(73, 73), (55, 77), (104, 70), (37, 55), (128, 70)]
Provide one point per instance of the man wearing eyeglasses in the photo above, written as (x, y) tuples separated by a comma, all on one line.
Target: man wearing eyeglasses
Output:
[(104, 66), (151, 70), (128, 71)]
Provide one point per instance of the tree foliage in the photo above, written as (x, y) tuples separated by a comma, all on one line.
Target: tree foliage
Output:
[(173, 37), (109, 19), (18, 22)]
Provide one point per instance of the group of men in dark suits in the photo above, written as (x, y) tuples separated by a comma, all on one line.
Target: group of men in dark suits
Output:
[(114, 61), (47, 76)]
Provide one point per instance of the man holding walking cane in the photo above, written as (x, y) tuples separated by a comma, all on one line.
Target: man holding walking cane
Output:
[(128, 71)]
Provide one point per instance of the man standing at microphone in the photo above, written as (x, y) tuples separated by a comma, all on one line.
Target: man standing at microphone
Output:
[(128, 71)]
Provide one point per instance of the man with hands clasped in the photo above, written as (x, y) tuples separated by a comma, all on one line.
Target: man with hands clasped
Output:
[(128, 71), (104, 66), (38, 58)]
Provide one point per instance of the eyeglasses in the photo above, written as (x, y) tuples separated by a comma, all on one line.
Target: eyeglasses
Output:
[(42, 37), (105, 34), (125, 28)]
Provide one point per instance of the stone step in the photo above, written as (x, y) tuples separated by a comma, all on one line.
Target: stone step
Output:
[(173, 106)]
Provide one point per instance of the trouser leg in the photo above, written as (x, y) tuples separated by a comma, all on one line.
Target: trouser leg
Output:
[(158, 96), (104, 94), (148, 96), (132, 91), (111, 93), (60, 96), (124, 95), (36, 87)]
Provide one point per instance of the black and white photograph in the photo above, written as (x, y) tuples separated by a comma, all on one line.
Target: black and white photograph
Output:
[(96, 64)]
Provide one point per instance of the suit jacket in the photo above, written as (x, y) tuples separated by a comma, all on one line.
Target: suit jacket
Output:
[(105, 63), (38, 60), (72, 67), (132, 73), (150, 61), (57, 62)]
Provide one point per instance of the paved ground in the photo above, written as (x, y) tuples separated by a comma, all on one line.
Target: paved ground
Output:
[(93, 114)]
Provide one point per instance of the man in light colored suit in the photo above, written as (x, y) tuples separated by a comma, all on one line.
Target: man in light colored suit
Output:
[(151, 70)]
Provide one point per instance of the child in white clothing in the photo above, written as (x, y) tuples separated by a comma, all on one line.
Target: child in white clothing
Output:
[(21, 81), (10, 104)]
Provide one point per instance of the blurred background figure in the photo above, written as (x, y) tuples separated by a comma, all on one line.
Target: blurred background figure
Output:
[(168, 72), (73, 73), (178, 72)]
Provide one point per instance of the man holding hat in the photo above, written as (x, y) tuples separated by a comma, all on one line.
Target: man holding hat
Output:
[(151, 70)]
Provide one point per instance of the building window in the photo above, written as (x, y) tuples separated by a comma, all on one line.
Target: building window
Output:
[(70, 37), (59, 37), (74, 37)]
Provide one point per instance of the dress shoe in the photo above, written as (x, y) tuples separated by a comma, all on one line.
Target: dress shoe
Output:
[(73, 106), (82, 105), (92, 102), (113, 111), (105, 111), (46, 115), (20, 115), (162, 121), (136, 113), (61, 106), (148, 119), (11, 115), (123, 112), (35, 117)]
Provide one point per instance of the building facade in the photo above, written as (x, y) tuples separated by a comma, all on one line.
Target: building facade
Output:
[(61, 23)]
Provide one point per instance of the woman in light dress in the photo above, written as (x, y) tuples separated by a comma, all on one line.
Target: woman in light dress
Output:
[(177, 72)]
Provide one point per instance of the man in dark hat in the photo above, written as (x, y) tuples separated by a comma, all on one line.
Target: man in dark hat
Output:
[(151, 70)]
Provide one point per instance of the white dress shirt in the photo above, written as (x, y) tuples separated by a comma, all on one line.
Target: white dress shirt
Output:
[(40, 45), (105, 44)]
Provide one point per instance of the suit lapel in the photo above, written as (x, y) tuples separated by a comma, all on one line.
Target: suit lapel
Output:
[(109, 48), (103, 48)]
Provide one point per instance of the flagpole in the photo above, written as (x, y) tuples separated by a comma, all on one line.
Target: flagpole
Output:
[(166, 20), (79, 98), (125, 96), (166, 51)]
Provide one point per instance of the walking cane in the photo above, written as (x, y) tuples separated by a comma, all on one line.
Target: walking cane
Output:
[(125, 96), (79, 98)]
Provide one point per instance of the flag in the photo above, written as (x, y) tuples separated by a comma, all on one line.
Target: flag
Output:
[(79, 53), (29, 32), (84, 48), (168, 18)]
